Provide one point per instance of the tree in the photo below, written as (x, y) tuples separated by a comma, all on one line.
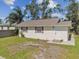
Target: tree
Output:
[(19, 14), (0, 21), (15, 16), (44, 9), (35, 9), (73, 14)]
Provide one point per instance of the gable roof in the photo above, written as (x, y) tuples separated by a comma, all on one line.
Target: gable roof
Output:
[(44, 22)]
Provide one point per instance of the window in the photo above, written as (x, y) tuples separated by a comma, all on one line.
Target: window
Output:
[(39, 29), (24, 28)]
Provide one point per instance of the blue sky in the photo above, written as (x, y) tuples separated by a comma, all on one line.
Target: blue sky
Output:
[(7, 5), (5, 8)]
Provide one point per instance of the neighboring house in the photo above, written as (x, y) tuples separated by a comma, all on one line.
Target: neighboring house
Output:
[(52, 30), (6, 30)]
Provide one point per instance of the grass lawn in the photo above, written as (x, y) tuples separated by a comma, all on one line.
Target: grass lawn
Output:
[(24, 54), (73, 51)]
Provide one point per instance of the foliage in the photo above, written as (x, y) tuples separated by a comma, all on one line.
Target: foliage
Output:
[(0, 21), (15, 16), (35, 9), (73, 14)]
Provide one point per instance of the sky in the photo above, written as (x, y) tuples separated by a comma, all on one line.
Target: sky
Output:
[(6, 6)]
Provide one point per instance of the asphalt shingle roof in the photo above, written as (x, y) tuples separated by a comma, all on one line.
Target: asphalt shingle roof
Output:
[(44, 22)]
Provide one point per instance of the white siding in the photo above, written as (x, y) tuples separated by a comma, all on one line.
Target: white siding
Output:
[(61, 33), (11, 28), (50, 33), (5, 28), (0, 28)]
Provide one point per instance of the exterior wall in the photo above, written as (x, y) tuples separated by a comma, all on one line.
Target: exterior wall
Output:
[(61, 33), (50, 33), (0, 28), (7, 31), (7, 28), (20, 32), (4, 33), (11, 28)]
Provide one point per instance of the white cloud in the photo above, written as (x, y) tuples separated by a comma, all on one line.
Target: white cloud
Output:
[(77, 0), (52, 4), (58, 15), (11, 7), (39, 1), (9, 2), (23, 8), (2, 17)]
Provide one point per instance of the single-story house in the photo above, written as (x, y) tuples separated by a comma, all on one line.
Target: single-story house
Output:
[(52, 30), (6, 30)]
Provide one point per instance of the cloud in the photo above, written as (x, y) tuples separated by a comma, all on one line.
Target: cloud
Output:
[(2, 17), (77, 0), (58, 15), (12, 7), (9, 2), (39, 1), (52, 4), (23, 8)]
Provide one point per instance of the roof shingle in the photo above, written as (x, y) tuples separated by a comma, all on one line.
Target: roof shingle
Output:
[(44, 22)]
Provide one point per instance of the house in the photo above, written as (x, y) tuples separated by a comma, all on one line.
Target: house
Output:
[(6, 30), (52, 30)]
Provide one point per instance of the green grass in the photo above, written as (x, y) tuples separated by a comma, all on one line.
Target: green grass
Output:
[(8, 41), (73, 51)]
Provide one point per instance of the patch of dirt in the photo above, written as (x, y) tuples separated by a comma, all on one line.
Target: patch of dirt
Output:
[(55, 52), (2, 57), (13, 49), (52, 52)]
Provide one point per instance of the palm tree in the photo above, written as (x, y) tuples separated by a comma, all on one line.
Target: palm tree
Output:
[(34, 9), (44, 7), (19, 14), (0, 21), (15, 16), (73, 14)]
